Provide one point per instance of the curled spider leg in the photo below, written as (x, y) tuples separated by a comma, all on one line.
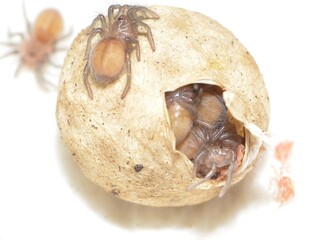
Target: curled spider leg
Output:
[(151, 14), (200, 155), (128, 77), (120, 10), (133, 13), (111, 12), (190, 107), (208, 176), (100, 18), (142, 13), (123, 10), (188, 98), (148, 32)]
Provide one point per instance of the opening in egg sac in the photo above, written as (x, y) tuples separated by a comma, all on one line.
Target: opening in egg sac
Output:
[(204, 133)]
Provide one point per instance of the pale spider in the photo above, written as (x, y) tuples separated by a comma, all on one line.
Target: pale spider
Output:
[(212, 111), (188, 97), (182, 109), (219, 156), (35, 49), (111, 55), (199, 120)]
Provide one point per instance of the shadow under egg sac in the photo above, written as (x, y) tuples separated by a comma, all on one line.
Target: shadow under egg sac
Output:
[(200, 217)]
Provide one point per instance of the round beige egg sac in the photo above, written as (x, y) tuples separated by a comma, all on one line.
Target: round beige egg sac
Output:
[(126, 146)]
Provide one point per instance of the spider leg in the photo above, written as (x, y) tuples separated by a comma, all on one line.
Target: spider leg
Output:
[(137, 48), (100, 18), (27, 22), (86, 80), (190, 107), (206, 178), (86, 71), (138, 51), (132, 13), (230, 159), (49, 61), (13, 52), (214, 135), (230, 172), (124, 9), (59, 49), (93, 33), (200, 132), (43, 83), (193, 96), (110, 11), (17, 71), (187, 98), (20, 35), (141, 13), (128, 76), (113, 8), (200, 155), (148, 33), (65, 36), (9, 44)]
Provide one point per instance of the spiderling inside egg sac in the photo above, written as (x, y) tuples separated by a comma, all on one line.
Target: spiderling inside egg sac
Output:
[(205, 132), (190, 152)]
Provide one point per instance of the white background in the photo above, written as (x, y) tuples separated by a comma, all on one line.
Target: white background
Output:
[(43, 195)]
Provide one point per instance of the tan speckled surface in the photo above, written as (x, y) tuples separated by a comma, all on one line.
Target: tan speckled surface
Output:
[(109, 136)]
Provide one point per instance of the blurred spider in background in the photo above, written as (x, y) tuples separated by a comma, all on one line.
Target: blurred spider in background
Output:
[(36, 46)]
